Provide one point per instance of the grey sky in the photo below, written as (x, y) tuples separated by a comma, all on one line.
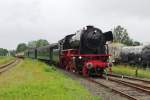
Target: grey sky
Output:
[(26, 20)]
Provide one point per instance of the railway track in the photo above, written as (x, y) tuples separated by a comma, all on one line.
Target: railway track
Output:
[(144, 86), (7, 66), (127, 90), (131, 89), (129, 77)]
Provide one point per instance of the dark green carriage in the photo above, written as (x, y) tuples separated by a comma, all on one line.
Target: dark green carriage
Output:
[(31, 53), (43, 53), (49, 52)]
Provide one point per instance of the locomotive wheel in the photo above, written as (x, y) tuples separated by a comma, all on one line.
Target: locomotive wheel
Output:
[(68, 64), (85, 71), (62, 63)]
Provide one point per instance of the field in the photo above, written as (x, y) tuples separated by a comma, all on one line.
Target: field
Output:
[(34, 80), (128, 70), (5, 59)]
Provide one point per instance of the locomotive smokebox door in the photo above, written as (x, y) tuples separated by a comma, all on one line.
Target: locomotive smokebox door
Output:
[(108, 36)]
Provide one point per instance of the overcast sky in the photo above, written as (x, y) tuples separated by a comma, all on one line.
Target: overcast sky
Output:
[(27, 20)]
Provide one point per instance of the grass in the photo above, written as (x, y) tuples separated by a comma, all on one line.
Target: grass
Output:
[(34, 80), (131, 71), (5, 59)]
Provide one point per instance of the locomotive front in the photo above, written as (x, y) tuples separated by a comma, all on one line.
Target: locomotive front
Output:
[(86, 51)]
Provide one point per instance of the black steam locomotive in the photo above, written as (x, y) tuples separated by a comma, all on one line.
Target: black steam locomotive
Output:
[(85, 51)]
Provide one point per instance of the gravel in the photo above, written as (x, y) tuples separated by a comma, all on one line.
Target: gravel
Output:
[(95, 89)]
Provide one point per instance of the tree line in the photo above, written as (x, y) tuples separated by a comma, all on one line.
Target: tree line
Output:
[(23, 46), (3, 52), (120, 35), (32, 44)]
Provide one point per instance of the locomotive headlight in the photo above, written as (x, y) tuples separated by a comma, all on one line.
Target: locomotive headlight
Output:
[(89, 65), (95, 31), (80, 57), (109, 64)]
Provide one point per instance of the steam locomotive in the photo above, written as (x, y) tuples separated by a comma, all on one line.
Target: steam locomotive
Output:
[(85, 52)]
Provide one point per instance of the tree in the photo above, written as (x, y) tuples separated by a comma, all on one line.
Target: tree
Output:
[(21, 47), (3, 52), (12, 52), (136, 43), (42, 42), (121, 36), (32, 44), (38, 43)]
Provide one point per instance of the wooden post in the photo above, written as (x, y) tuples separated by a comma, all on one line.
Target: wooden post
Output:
[(136, 72)]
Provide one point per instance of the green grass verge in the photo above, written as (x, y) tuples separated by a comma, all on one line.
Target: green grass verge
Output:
[(34, 80), (5, 59), (131, 71)]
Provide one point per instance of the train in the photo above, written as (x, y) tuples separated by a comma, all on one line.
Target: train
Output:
[(85, 52), (132, 55)]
